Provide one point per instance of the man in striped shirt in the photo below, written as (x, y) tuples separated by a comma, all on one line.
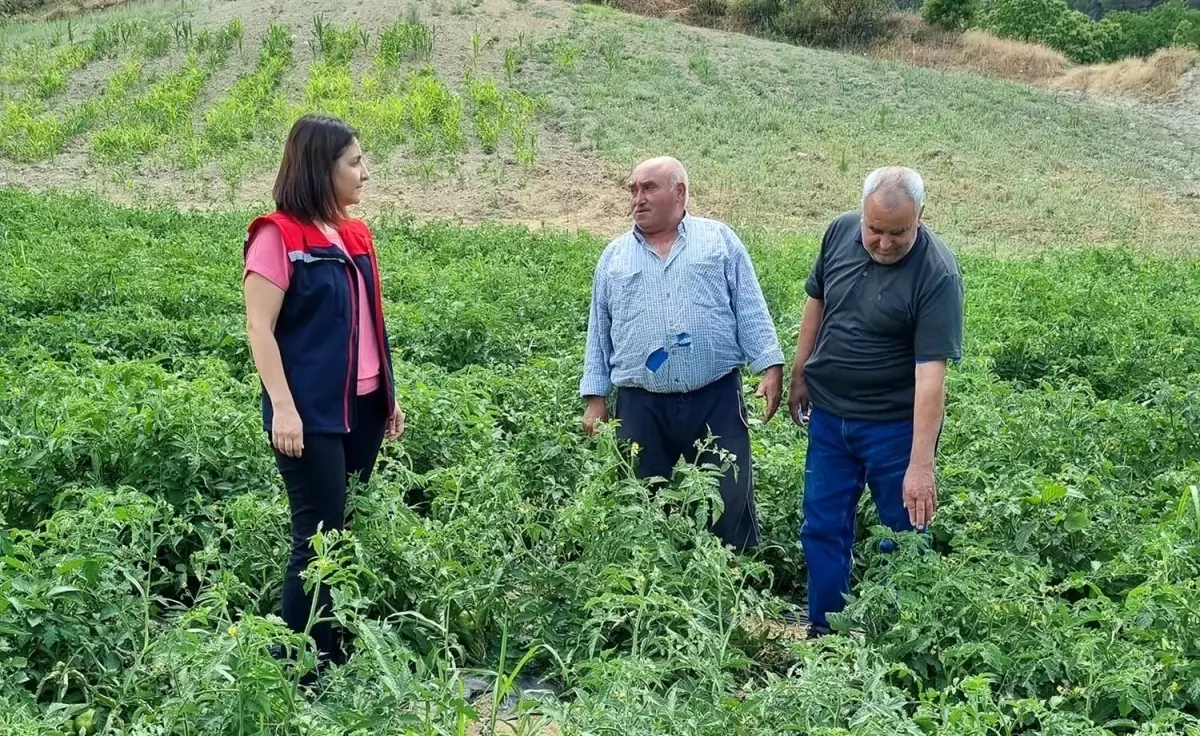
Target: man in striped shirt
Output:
[(676, 312)]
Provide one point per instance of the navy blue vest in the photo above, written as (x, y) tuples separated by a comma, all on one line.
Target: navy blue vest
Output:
[(317, 327)]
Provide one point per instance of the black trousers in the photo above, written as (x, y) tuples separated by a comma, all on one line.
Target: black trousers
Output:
[(316, 483), (667, 428)]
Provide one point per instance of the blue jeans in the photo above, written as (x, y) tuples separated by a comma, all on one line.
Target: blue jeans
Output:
[(843, 456)]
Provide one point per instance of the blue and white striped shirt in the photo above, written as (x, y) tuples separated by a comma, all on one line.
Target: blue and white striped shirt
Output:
[(679, 324)]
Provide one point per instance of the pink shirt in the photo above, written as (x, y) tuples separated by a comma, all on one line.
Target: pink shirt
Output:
[(268, 258)]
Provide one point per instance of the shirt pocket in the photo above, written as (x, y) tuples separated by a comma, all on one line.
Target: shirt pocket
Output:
[(628, 296), (890, 318), (707, 285)]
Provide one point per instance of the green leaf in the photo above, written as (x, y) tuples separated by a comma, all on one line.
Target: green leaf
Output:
[(1052, 492), (1076, 520)]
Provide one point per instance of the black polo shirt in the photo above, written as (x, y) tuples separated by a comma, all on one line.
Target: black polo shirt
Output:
[(879, 322)]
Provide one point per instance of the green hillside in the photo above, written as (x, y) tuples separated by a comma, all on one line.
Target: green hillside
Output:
[(540, 108)]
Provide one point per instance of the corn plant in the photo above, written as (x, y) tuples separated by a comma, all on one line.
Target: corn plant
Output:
[(519, 119), (164, 110), (157, 42), (329, 87), (336, 45), (404, 40), (435, 114), (29, 132), (489, 113), (253, 106), (184, 33)]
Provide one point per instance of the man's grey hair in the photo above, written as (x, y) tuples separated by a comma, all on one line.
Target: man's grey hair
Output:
[(679, 176), (896, 179)]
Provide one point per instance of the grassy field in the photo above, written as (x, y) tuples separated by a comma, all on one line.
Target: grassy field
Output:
[(783, 135), (143, 527)]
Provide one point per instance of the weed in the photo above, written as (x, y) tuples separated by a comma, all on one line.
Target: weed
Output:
[(702, 66), (613, 51)]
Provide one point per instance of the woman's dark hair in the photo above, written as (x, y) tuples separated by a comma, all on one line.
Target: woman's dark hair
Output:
[(304, 185)]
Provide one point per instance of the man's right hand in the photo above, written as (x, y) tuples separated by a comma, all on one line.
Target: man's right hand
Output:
[(287, 431), (798, 405), (596, 413)]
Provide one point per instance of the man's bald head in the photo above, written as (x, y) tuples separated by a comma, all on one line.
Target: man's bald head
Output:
[(667, 166), (658, 194)]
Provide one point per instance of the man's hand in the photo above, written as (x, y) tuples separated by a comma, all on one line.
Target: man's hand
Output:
[(771, 386), (596, 413), (798, 405), (920, 495)]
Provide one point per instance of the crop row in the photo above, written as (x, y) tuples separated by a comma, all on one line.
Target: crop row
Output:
[(392, 106)]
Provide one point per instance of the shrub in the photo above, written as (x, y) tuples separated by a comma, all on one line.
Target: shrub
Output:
[(759, 14), (833, 22), (714, 8), (13, 7), (950, 14), (1119, 35), (1025, 20), (1052, 23), (1076, 36), (1187, 32), (1141, 34)]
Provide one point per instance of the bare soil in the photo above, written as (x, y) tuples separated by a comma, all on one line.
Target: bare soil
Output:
[(482, 727)]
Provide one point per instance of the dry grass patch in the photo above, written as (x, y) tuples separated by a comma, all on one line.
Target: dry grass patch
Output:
[(916, 42), (1156, 78)]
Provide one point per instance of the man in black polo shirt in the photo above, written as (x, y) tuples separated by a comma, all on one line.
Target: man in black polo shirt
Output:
[(883, 317)]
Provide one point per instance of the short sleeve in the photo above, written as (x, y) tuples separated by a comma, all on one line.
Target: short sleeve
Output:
[(939, 328), (268, 258), (815, 285)]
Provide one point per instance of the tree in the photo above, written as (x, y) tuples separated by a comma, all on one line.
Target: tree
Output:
[(950, 14)]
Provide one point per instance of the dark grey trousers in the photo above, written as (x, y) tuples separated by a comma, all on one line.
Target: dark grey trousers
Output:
[(667, 428)]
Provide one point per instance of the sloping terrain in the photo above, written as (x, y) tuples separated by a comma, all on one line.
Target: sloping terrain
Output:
[(774, 135)]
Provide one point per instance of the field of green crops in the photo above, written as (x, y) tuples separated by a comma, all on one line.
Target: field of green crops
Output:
[(144, 529)]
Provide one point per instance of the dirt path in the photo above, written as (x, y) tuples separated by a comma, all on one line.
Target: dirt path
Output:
[(1183, 115)]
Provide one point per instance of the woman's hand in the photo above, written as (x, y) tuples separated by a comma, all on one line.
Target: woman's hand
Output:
[(287, 431), (395, 426)]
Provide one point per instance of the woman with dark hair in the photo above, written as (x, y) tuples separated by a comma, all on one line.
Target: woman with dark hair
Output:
[(314, 315)]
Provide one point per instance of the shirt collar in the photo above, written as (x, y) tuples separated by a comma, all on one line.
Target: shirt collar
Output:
[(680, 232)]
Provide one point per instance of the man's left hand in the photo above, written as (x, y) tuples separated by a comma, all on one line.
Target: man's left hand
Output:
[(920, 495), (771, 386)]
